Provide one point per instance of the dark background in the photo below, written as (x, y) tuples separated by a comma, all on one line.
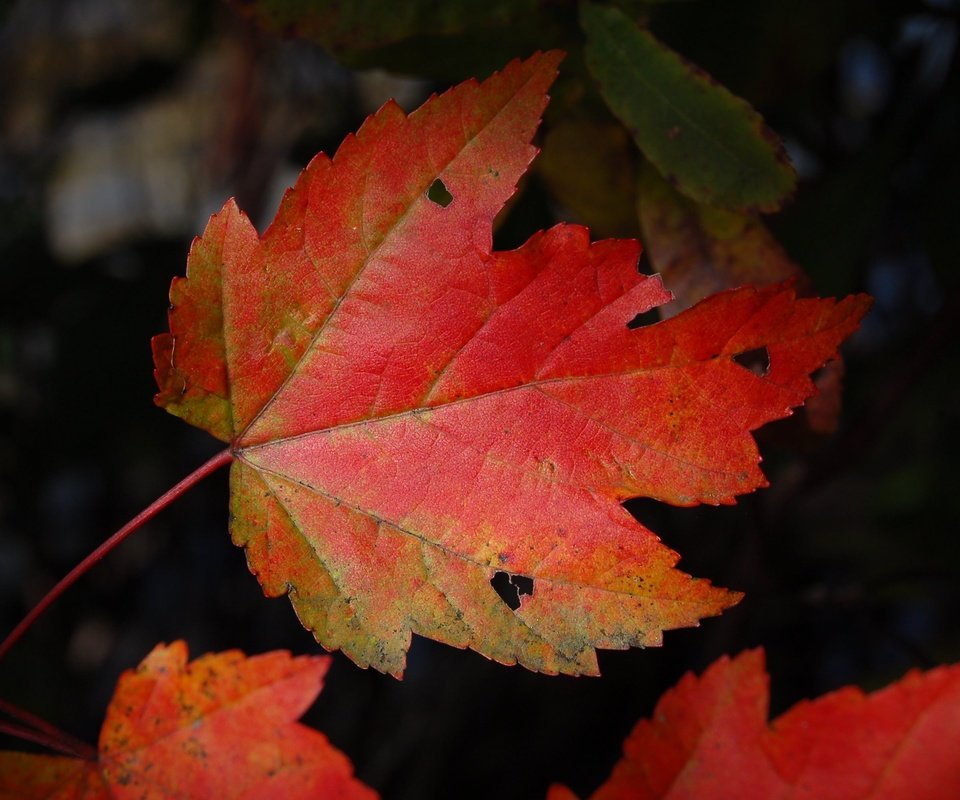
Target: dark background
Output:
[(123, 125)]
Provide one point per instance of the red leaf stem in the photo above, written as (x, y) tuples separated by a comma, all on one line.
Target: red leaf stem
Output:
[(42, 732), (31, 735), (221, 459)]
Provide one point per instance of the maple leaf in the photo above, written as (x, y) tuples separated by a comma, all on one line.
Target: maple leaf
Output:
[(709, 738), (221, 726), (413, 415)]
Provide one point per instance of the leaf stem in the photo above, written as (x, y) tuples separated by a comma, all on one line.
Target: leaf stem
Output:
[(36, 729), (31, 735), (221, 459)]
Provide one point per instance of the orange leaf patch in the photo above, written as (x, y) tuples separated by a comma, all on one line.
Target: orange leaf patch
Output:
[(222, 726)]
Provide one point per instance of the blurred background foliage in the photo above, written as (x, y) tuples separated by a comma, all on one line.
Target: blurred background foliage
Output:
[(124, 124)]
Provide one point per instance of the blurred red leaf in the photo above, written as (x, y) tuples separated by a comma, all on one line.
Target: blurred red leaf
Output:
[(413, 416), (699, 250), (709, 739), (222, 726)]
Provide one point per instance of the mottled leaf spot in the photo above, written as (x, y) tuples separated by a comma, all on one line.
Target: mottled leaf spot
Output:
[(756, 360), (511, 588), (439, 194)]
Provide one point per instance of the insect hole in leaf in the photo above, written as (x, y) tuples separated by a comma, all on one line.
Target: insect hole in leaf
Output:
[(439, 194), (756, 360), (511, 588), (649, 317)]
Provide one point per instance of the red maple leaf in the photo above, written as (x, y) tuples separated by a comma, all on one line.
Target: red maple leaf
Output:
[(411, 413), (709, 739), (222, 726)]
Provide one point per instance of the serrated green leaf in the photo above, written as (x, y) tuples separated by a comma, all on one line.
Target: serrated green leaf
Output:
[(707, 141)]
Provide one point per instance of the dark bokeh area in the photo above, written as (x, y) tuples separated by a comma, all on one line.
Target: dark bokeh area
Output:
[(125, 123)]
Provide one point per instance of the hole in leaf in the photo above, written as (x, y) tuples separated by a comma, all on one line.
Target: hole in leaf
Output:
[(646, 318), (756, 360), (511, 588), (438, 194), (524, 585)]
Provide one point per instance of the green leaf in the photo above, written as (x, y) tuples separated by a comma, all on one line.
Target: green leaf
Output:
[(705, 140)]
